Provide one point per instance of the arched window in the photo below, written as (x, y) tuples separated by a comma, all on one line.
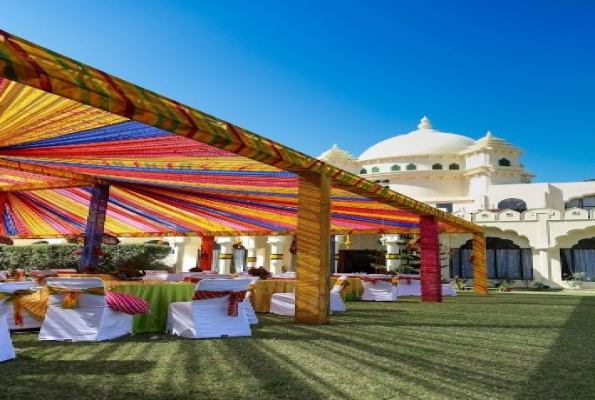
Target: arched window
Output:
[(513, 204), (454, 166), (411, 167), (363, 171), (504, 162), (375, 169), (586, 203), (395, 168), (437, 166), (578, 262), (505, 260)]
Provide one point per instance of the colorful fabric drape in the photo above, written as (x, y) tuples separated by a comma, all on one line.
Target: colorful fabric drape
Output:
[(16, 298), (235, 297), (174, 170), (71, 300)]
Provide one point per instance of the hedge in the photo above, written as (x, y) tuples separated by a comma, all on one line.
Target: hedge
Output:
[(60, 256)]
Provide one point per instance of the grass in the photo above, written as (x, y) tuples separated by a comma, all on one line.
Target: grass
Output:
[(505, 346)]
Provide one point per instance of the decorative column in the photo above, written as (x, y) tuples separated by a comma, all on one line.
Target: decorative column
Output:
[(276, 258), (225, 253), (250, 246), (339, 240), (480, 277), (392, 243), (431, 283), (95, 225), (206, 253), (313, 236)]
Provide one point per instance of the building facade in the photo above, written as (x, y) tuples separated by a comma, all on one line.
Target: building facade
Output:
[(541, 232)]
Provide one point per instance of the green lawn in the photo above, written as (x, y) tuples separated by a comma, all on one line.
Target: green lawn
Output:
[(514, 346)]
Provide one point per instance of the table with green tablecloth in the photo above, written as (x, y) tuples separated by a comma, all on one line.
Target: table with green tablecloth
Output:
[(160, 295)]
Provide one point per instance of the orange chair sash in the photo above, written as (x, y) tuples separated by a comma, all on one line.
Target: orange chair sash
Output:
[(72, 295), (16, 298)]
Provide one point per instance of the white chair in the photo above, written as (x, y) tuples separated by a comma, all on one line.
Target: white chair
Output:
[(448, 290), (250, 313), (6, 311), (209, 318), (409, 285), (379, 290), (92, 320), (284, 303)]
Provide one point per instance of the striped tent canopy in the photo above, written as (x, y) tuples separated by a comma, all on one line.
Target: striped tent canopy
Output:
[(172, 170)]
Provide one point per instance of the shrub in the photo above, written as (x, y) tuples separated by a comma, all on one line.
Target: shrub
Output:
[(124, 256)]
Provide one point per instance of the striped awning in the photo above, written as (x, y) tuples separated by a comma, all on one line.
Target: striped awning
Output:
[(172, 170)]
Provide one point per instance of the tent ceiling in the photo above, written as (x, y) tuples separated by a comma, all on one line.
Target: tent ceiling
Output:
[(172, 170)]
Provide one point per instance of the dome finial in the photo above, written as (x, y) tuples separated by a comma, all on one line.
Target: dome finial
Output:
[(424, 123), (489, 134)]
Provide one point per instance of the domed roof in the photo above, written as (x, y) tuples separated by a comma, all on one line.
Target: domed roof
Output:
[(335, 153), (425, 140)]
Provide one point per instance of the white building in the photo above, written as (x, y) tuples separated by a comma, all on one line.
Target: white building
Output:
[(536, 231)]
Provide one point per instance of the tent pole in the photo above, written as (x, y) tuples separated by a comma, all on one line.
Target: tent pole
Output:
[(313, 250), (95, 225), (431, 282)]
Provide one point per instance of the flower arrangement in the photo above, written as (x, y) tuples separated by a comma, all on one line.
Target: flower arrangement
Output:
[(128, 274), (261, 272)]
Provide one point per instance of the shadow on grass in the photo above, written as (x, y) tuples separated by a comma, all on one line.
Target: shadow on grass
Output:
[(576, 347), (71, 367)]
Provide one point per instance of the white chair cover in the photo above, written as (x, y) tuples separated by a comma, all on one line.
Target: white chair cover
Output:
[(6, 348), (92, 321), (411, 287), (250, 313), (208, 318), (448, 290), (284, 303), (379, 291)]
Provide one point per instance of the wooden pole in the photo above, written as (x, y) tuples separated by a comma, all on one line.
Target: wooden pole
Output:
[(313, 250), (480, 277)]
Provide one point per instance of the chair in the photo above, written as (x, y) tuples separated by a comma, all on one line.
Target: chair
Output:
[(448, 290), (78, 312), (210, 315), (250, 313), (8, 303), (378, 290), (284, 303), (409, 285)]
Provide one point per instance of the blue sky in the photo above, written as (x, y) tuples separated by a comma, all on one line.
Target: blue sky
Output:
[(311, 73)]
